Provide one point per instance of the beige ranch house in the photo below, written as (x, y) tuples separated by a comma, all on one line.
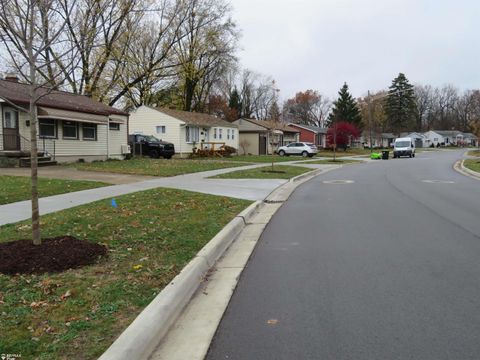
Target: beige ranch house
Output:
[(70, 127), (186, 130), (261, 137)]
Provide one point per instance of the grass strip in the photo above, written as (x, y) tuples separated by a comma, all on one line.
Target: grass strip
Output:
[(77, 314), (472, 164), (335, 162), (156, 167), (18, 188), (279, 172)]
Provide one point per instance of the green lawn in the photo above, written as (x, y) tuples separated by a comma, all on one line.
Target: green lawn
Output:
[(472, 164), (151, 236), (334, 162), (349, 152), (266, 158), (474, 153), (156, 167), (17, 188), (284, 172)]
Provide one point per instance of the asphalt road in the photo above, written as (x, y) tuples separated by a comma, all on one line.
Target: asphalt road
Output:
[(384, 267)]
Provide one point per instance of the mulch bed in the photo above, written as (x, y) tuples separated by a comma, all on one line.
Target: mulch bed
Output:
[(53, 255), (274, 171)]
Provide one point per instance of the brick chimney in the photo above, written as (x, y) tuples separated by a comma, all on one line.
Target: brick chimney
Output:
[(12, 77)]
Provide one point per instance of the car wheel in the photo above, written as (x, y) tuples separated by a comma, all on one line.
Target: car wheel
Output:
[(413, 155), (410, 155), (304, 154), (154, 154), (281, 153)]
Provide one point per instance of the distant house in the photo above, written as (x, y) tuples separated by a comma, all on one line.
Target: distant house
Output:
[(420, 140), (264, 136), (470, 139), (434, 138), (70, 126), (312, 134), (186, 130), (451, 137), (378, 140)]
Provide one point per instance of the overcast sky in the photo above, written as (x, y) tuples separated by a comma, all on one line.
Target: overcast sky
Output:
[(308, 44)]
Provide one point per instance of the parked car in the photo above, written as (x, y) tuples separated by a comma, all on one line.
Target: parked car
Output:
[(298, 148), (403, 147), (151, 146)]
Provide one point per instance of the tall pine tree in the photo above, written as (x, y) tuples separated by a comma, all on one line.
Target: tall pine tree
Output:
[(345, 109), (400, 105), (235, 102)]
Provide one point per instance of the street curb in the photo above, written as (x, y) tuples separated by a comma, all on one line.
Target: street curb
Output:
[(460, 167), (142, 336)]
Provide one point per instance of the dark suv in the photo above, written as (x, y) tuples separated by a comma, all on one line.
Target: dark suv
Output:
[(151, 146)]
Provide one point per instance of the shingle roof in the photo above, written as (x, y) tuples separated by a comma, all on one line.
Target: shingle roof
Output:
[(270, 124), (469, 136), (316, 129), (18, 94), (448, 132), (194, 118)]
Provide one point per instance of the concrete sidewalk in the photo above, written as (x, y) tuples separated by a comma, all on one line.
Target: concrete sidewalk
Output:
[(250, 189)]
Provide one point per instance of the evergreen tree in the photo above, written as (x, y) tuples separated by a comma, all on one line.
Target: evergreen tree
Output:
[(345, 109), (235, 101), (400, 105)]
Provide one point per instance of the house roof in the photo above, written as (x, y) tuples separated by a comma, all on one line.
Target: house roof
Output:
[(388, 136), (470, 136), (446, 133), (270, 124), (315, 129), (18, 94), (194, 118)]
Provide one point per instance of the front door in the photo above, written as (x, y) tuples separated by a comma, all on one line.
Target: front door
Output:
[(11, 138)]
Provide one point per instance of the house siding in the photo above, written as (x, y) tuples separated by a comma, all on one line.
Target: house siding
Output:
[(145, 120), (252, 141)]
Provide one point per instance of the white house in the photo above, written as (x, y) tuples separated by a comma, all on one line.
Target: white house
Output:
[(70, 127), (433, 137), (186, 130), (420, 140)]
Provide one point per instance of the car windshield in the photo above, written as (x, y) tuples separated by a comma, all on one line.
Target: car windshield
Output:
[(151, 138), (402, 144)]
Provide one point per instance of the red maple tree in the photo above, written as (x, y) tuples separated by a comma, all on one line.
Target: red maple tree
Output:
[(341, 133)]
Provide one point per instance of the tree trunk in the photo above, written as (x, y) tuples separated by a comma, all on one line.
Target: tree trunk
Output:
[(34, 159)]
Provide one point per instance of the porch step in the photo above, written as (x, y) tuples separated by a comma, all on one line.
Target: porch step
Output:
[(42, 161)]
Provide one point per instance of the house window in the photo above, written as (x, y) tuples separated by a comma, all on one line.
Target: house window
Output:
[(233, 134), (435, 139), (10, 119), (70, 130), (89, 131), (47, 128), (191, 134), (114, 126), (228, 134), (220, 133), (161, 129), (214, 133)]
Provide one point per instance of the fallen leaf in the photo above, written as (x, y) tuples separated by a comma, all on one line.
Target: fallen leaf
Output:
[(66, 295)]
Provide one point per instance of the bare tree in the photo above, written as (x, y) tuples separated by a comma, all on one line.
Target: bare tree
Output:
[(308, 108), (28, 29), (205, 50)]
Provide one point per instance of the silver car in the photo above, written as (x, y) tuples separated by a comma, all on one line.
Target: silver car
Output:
[(298, 148)]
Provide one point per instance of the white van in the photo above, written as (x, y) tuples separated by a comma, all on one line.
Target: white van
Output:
[(403, 147)]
